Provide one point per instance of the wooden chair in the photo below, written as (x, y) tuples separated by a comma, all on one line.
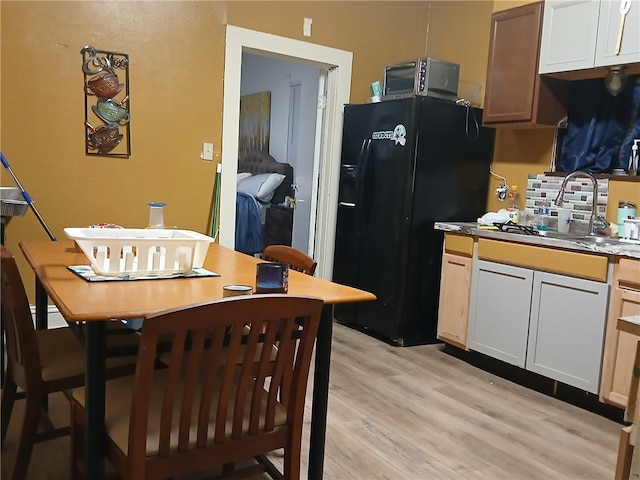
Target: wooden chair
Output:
[(204, 411), (39, 362), (296, 259)]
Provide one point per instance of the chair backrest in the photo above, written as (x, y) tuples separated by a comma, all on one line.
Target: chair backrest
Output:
[(23, 357), (203, 401), (296, 259)]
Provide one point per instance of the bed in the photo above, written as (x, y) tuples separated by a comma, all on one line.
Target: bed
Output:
[(262, 182)]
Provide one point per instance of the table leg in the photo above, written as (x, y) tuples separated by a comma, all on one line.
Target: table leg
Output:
[(42, 320), (94, 438), (320, 394), (42, 307)]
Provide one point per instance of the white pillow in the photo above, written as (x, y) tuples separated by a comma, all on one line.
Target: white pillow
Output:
[(243, 176), (261, 186)]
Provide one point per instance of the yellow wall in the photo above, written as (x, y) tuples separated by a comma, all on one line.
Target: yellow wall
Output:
[(518, 153), (176, 52), (459, 33)]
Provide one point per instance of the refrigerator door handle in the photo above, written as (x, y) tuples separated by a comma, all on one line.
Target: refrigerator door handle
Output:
[(362, 161)]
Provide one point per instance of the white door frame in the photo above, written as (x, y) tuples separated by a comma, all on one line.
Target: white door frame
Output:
[(338, 64), (317, 154)]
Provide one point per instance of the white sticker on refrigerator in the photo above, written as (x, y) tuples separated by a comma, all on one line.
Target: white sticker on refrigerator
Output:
[(398, 135)]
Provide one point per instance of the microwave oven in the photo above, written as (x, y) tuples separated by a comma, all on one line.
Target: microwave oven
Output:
[(424, 76)]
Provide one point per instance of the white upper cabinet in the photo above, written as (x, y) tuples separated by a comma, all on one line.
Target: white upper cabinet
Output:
[(569, 31), (582, 34), (609, 29)]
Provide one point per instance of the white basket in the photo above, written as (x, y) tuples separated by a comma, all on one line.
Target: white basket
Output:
[(119, 252)]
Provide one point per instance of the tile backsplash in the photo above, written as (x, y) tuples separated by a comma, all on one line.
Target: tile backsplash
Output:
[(543, 189)]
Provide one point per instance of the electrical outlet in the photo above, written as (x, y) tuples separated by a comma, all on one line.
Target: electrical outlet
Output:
[(207, 151)]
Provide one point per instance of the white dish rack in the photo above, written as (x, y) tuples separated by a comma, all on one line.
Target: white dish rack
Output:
[(125, 252)]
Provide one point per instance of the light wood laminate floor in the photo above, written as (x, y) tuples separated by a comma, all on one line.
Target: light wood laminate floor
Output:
[(420, 413)]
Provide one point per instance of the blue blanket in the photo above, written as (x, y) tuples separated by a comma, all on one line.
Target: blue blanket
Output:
[(248, 225)]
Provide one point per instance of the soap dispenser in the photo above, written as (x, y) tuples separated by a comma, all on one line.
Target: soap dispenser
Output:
[(633, 159)]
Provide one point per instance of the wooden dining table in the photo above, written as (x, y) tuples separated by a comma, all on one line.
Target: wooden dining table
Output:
[(96, 303)]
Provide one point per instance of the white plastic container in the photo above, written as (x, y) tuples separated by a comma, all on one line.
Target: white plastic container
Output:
[(632, 229), (141, 252), (156, 214)]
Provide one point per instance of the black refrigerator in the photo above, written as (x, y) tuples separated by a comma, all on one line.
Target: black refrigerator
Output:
[(406, 164)]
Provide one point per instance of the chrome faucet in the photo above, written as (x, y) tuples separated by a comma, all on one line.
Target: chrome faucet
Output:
[(596, 222)]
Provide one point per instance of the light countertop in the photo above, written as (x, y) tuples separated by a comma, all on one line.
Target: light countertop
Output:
[(614, 248)]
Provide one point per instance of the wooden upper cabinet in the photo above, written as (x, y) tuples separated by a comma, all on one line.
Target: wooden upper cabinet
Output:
[(516, 96)]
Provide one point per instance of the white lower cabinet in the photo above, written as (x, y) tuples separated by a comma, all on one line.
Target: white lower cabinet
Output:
[(547, 323), (566, 331), (500, 306)]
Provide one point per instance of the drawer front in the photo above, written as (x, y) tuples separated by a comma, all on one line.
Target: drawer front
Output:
[(458, 244), (629, 272), (583, 265)]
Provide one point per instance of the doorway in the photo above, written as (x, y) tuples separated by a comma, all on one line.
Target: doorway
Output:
[(293, 89), (337, 64)]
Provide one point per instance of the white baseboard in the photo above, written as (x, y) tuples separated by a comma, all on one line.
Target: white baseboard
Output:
[(55, 319)]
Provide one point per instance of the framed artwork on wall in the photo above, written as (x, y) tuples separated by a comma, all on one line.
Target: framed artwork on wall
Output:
[(106, 102), (255, 122)]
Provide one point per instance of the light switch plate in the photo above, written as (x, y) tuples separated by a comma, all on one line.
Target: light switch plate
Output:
[(207, 151), (306, 27)]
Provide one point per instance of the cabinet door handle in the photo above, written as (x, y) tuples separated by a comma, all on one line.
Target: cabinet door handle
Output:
[(625, 6)]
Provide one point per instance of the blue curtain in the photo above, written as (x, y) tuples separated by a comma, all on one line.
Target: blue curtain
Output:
[(600, 127)]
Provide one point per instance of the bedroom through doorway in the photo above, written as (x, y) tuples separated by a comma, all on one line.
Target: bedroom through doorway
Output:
[(294, 90)]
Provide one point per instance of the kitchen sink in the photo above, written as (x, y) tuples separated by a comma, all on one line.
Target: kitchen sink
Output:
[(575, 237), (592, 239), (578, 237), (599, 240), (564, 236)]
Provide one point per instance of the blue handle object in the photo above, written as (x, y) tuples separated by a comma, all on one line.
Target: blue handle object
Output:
[(26, 196)]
